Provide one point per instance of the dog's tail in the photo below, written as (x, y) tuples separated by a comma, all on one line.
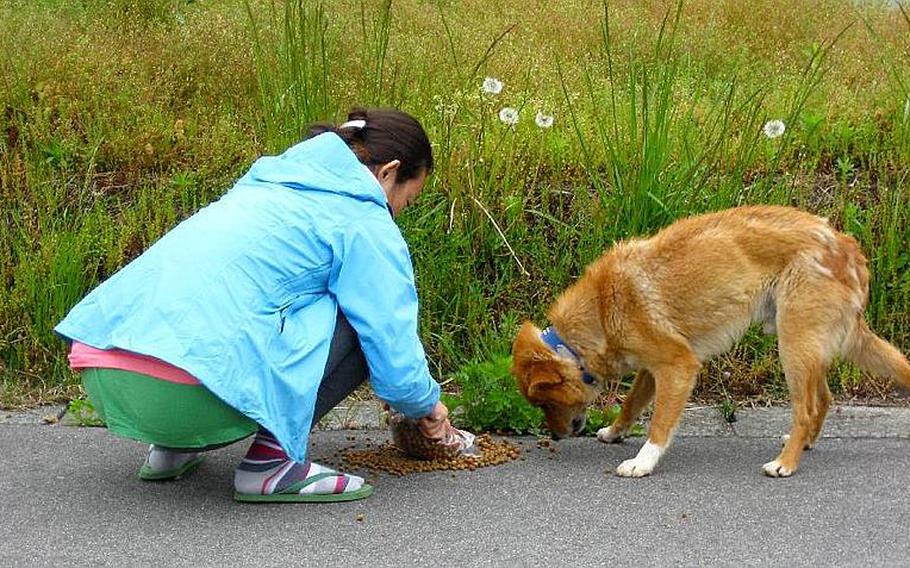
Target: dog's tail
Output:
[(874, 355)]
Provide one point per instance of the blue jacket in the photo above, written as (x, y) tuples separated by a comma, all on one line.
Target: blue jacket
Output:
[(244, 294)]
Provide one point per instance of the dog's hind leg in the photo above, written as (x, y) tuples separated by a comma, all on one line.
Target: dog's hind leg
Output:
[(639, 397), (804, 371), (823, 402), (673, 383), (811, 324)]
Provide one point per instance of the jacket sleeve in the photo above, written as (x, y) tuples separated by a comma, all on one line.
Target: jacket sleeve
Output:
[(373, 282)]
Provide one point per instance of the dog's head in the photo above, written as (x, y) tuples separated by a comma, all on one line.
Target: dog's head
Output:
[(551, 382)]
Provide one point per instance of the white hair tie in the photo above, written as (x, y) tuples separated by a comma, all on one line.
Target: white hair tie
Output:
[(358, 124)]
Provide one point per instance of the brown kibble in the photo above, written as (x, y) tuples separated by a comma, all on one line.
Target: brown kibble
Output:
[(389, 458), (359, 517)]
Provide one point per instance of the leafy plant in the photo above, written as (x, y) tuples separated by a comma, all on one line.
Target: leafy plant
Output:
[(488, 399), (602, 417), (728, 410), (83, 413)]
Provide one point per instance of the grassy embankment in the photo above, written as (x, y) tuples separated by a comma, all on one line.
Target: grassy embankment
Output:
[(119, 118)]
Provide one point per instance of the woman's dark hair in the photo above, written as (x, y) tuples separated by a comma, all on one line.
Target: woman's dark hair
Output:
[(385, 135)]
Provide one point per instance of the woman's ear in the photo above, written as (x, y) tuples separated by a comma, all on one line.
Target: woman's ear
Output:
[(388, 171)]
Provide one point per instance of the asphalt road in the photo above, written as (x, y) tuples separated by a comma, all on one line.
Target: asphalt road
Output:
[(71, 498)]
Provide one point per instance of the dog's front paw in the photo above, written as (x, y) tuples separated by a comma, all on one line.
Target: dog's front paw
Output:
[(635, 467), (777, 469), (610, 435), (643, 463)]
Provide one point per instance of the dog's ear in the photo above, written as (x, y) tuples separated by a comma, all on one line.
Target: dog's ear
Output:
[(528, 346), (534, 364), (543, 376)]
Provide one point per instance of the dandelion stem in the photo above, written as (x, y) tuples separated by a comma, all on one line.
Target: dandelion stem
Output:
[(502, 235), (452, 214)]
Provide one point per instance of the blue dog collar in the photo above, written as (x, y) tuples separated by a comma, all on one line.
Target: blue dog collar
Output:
[(555, 343)]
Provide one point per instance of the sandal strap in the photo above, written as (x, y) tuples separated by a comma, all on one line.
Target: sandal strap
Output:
[(298, 485)]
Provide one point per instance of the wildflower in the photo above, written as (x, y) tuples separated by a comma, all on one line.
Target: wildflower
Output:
[(774, 128), (492, 86), (543, 120), (509, 115)]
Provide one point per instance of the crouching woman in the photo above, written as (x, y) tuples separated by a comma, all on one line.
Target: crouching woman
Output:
[(265, 309)]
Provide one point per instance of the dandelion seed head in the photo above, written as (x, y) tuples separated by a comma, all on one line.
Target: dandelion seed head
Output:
[(543, 120), (509, 115), (774, 128), (492, 86)]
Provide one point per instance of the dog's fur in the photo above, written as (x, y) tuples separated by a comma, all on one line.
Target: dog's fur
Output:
[(664, 305)]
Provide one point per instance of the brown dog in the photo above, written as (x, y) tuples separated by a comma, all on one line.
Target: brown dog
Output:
[(664, 305)]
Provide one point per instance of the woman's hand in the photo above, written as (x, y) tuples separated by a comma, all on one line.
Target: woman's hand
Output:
[(435, 425)]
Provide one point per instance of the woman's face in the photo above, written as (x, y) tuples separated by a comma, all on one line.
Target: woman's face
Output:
[(399, 194)]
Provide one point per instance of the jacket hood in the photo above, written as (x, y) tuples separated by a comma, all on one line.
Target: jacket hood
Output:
[(322, 163)]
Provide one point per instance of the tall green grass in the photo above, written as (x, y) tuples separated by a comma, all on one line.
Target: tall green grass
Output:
[(651, 158), (111, 139), (293, 66)]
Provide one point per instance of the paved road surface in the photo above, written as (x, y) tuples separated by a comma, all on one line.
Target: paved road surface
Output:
[(71, 498)]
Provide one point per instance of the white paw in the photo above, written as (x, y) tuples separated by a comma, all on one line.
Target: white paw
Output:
[(776, 469), (786, 438), (635, 467), (643, 463), (609, 435)]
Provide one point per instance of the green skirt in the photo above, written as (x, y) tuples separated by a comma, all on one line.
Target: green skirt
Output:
[(171, 415)]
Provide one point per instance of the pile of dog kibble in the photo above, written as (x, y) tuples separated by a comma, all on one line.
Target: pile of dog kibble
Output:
[(389, 458)]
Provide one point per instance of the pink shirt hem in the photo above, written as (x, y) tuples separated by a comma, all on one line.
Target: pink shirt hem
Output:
[(84, 356)]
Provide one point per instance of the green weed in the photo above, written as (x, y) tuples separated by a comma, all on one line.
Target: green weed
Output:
[(728, 410), (598, 418), (83, 413), (488, 400)]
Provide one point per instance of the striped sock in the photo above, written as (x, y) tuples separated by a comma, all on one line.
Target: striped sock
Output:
[(266, 470)]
